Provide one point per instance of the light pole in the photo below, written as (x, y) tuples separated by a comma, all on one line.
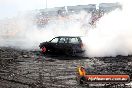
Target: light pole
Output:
[(46, 4)]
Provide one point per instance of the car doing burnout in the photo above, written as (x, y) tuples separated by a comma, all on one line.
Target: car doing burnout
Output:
[(63, 44)]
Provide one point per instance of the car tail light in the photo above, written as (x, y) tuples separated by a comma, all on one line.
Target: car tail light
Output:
[(81, 45)]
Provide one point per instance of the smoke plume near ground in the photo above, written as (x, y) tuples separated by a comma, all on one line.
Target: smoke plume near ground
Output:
[(113, 34), (111, 37), (22, 32)]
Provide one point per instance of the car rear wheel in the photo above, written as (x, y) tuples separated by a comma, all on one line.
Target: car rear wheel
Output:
[(70, 52), (73, 52)]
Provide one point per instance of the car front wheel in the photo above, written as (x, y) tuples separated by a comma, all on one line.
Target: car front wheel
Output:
[(44, 49)]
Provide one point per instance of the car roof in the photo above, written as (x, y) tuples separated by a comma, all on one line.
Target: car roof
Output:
[(66, 36)]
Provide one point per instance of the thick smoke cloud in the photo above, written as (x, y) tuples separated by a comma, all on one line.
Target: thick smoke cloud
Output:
[(113, 34), (111, 37), (22, 32)]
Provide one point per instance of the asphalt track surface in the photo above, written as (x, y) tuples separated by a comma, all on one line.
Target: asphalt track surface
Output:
[(31, 69)]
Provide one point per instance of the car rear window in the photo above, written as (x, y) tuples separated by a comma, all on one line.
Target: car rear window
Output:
[(73, 40)]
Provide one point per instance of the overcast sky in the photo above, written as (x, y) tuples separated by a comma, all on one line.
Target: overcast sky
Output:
[(10, 8)]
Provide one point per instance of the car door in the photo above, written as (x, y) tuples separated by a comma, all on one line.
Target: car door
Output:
[(53, 44), (61, 44)]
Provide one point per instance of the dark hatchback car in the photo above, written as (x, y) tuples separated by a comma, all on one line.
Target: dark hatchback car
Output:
[(70, 45)]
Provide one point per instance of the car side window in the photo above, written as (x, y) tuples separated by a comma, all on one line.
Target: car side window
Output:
[(73, 40), (62, 40), (66, 40), (54, 40)]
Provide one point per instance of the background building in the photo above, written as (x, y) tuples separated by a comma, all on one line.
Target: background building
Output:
[(47, 14)]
